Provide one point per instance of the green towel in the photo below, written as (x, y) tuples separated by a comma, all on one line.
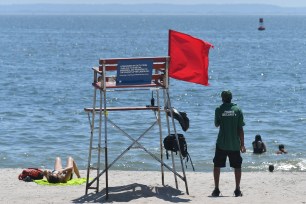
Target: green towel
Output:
[(72, 182)]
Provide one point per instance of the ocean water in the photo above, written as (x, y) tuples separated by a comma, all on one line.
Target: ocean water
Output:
[(46, 78)]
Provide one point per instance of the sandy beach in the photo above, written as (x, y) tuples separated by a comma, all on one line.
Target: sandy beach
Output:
[(146, 187)]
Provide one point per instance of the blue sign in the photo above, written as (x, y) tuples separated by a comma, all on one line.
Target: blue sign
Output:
[(134, 72)]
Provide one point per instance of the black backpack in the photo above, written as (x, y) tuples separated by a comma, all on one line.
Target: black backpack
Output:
[(170, 144)]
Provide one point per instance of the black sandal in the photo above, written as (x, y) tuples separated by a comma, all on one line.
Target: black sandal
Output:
[(237, 192), (216, 192)]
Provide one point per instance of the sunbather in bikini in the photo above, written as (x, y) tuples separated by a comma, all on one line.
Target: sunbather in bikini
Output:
[(60, 174)]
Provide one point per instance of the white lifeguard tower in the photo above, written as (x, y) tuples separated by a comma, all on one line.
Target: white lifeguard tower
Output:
[(129, 75)]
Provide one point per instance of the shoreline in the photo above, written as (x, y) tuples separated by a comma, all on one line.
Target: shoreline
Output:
[(146, 187)]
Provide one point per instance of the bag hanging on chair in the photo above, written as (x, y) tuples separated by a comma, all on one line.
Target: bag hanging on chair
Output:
[(170, 144)]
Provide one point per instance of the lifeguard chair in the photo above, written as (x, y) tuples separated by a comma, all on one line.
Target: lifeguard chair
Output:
[(128, 74)]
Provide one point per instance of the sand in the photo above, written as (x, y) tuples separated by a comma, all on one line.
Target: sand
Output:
[(146, 187)]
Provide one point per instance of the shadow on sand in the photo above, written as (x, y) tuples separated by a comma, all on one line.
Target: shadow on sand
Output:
[(132, 192)]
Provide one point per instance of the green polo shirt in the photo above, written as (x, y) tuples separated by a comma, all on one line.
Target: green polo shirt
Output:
[(229, 118)]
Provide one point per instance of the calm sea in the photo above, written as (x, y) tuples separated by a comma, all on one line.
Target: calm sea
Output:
[(46, 81)]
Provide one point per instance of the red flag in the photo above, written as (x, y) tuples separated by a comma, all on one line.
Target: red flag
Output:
[(188, 58)]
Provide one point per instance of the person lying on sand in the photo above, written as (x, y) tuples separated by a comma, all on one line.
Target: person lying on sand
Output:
[(60, 174)]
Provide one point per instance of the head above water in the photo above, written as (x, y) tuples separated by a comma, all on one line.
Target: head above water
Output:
[(226, 96), (281, 146), (258, 138), (271, 168)]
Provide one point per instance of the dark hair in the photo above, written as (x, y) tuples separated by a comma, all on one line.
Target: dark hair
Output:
[(226, 96), (257, 138), (281, 146), (53, 179), (271, 168)]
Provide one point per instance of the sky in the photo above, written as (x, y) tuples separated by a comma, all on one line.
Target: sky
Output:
[(282, 3)]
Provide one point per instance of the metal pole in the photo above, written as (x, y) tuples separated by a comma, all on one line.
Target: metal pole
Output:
[(168, 125), (160, 137), (92, 125), (177, 140), (105, 131)]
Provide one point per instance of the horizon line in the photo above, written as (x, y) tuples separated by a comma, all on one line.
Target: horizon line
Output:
[(177, 4)]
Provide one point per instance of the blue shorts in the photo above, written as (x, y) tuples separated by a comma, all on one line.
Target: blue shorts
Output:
[(234, 157)]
